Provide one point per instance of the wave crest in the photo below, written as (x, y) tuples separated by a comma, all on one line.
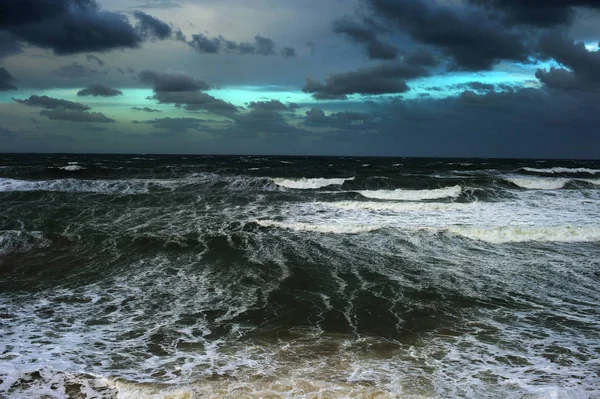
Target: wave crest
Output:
[(413, 195), (561, 170), (332, 228), (309, 184), (540, 183), (508, 234)]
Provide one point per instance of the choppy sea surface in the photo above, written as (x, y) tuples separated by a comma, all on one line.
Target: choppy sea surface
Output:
[(143, 276)]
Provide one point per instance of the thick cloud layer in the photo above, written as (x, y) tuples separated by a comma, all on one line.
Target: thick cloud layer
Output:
[(366, 36), (75, 26), (6, 80), (389, 77), (472, 39), (184, 92), (541, 13)]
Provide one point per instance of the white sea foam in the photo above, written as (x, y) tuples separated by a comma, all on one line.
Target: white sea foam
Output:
[(538, 183), (508, 234), (413, 195), (72, 168), (561, 170), (334, 228), (308, 184)]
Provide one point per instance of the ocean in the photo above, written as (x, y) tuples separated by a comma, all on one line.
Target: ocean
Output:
[(146, 276)]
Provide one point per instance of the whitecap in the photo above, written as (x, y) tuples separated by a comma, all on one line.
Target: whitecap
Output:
[(309, 184), (508, 234), (413, 195), (340, 227), (72, 168), (538, 183), (561, 170)]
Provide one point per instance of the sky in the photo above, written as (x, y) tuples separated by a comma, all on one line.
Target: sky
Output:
[(449, 78)]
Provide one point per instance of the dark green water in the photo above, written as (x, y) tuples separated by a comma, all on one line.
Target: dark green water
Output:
[(150, 276)]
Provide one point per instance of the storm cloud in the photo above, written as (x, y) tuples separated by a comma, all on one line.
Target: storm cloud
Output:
[(472, 39), (366, 36), (75, 26), (389, 77), (184, 92)]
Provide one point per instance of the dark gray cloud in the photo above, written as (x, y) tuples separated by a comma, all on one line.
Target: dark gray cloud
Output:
[(262, 121), (9, 45), (213, 45), (272, 105), (99, 89), (151, 27), (74, 26), (389, 77), (93, 58), (195, 101), (171, 81), (479, 86), (584, 65), (52, 103), (540, 13), (287, 52), (366, 35), (204, 44), (472, 39), (75, 70), (145, 109), (63, 114), (6, 80), (184, 92)]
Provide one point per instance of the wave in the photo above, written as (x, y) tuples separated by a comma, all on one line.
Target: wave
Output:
[(309, 184), (135, 186), (72, 168), (539, 183), (508, 234), (332, 228), (15, 241), (561, 170), (413, 195), (397, 206)]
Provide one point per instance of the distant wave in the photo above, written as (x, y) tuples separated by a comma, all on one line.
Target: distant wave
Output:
[(561, 170), (309, 184), (72, 168), (539, 183), (501, 235), (332, 228), (413, 195)]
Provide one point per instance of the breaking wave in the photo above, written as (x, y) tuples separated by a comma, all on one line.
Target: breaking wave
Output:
[(309, 184), (331, 228), (561, 170), (413, 195), (540, 183), (509, 234)]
